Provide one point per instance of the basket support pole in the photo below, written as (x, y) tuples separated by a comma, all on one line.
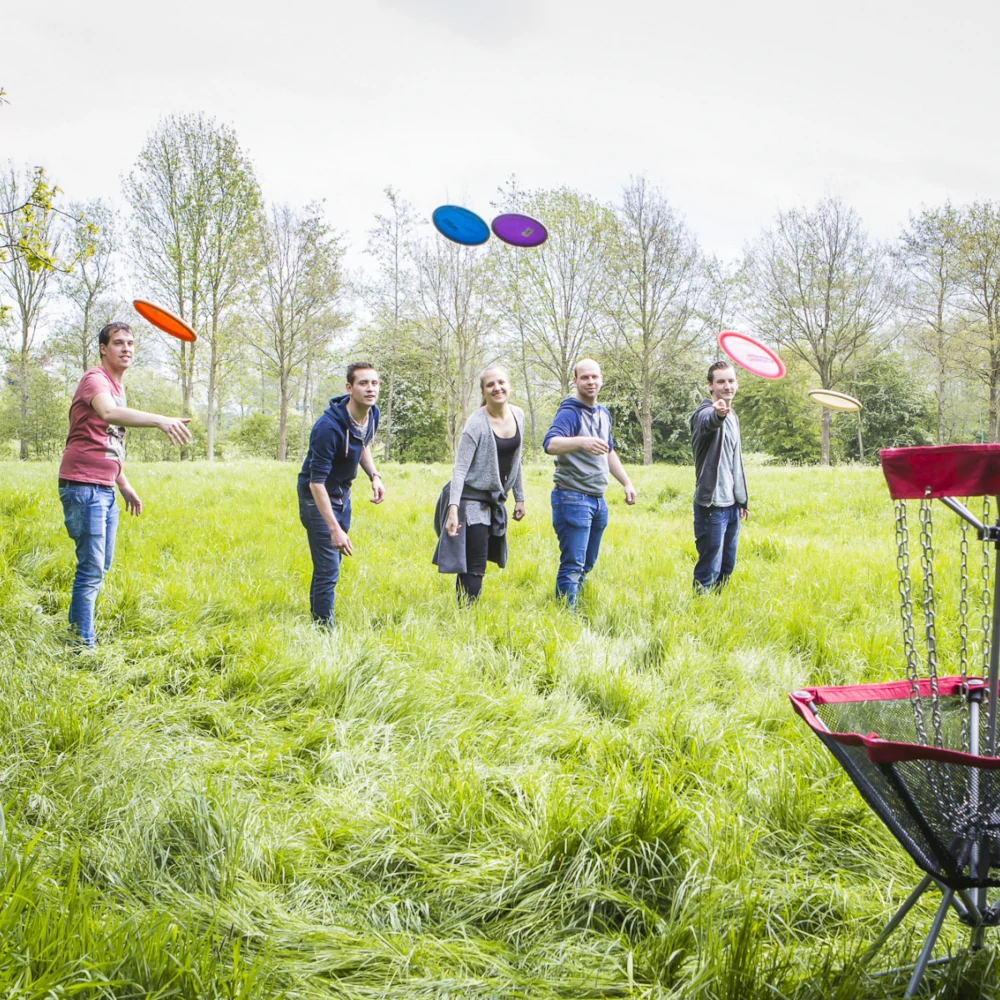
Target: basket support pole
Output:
[(994, 678), (925, 952), (922, 886)]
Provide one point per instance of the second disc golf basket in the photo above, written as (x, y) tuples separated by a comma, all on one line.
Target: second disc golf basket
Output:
[(923, 751)]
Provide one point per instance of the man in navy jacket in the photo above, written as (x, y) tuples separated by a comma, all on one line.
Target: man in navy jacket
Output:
[(580, 439), (720, 493), (340, 441)]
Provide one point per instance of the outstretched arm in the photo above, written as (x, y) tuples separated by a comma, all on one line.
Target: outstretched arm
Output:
[(174, 427)]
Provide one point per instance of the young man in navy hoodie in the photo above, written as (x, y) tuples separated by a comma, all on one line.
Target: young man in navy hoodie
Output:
[(340, 441), (580, 438)]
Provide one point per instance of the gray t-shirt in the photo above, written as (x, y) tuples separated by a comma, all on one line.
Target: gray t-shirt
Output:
[(580, 470), (730, 484)]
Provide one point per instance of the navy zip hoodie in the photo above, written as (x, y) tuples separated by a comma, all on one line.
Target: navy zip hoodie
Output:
[(579, 470), (706, 444), (334, 451)]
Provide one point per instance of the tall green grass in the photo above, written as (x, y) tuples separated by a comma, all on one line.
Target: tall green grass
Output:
[(508, 802)]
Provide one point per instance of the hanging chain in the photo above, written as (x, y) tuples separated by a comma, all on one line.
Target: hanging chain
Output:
[(930, 630), (906, 613), (963, 633)]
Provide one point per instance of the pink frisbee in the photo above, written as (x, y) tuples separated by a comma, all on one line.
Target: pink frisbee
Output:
[(755, 357), (519, 230)]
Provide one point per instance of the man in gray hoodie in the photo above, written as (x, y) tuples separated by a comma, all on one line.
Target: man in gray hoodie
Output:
[(720, 493), (580, 438)]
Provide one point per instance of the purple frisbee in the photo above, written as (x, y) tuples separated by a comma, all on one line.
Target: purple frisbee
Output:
[(519, 230)]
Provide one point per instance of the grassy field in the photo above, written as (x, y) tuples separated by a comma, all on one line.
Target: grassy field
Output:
[(512, 802)]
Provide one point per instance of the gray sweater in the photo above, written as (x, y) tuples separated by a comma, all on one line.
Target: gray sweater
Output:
[(476, 462)]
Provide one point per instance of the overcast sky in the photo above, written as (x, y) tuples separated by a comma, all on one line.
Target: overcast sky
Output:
[(735, 109)]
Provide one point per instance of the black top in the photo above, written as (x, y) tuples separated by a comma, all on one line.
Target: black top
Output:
[(506, 449)]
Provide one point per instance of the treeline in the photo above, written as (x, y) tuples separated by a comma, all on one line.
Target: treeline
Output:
[(911, 327)]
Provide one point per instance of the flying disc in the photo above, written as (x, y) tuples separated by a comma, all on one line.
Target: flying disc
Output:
[(519, 230), (835, 400), (460, 225), (751, 354), (165, 320)]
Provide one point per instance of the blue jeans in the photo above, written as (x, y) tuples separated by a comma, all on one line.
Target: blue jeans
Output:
[(579, 520), (91, 516), (325, 558), (716, 535)]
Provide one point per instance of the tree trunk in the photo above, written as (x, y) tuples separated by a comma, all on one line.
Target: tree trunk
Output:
[(306, 408), (210, 417), (824, 438), (387, 449), (647, 421), (23, 387), (283, 419), (994, 405)]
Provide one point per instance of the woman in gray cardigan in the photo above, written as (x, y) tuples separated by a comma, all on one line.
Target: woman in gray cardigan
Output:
[(487, 466)]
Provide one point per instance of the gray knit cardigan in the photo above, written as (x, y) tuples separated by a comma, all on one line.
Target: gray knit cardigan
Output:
[(476, 462)]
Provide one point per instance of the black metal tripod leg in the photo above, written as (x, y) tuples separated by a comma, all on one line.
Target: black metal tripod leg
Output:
[(922, 886), (925, 952)]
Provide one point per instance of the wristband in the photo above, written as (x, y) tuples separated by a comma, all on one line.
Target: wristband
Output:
[(376, 475)]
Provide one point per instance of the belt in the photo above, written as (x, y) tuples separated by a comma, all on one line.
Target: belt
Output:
[(63, 483)]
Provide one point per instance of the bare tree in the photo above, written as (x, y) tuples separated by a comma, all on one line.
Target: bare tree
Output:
[(168, 191), (509, 305), (818, 286), (454, 302), (233, 222), (658, 297), (929, 254), (87, 286), (391, 297), (563, 284), (979, 268), (298, 282)]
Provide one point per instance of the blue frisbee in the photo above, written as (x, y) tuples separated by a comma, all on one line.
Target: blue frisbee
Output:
[(460, 225)]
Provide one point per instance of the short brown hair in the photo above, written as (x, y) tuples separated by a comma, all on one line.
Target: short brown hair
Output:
[(717, 366), (357, 366), (108, 331)]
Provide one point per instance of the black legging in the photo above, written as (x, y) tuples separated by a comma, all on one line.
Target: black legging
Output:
[(477, 542)]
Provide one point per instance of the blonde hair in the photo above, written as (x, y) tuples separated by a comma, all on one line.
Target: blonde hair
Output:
[(482, 379)]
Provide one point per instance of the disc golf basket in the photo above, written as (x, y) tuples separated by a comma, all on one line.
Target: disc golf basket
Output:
[(923, 751)]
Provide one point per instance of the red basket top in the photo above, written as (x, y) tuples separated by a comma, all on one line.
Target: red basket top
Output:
[(950, 470)]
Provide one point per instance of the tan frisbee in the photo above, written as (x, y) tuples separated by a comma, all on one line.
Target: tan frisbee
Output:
[(835, 400)]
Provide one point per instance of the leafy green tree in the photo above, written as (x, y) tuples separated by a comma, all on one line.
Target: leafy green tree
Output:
[(34, 410), (674, 396), (256, 436), (778, 417), (29, 247), (897, 411)]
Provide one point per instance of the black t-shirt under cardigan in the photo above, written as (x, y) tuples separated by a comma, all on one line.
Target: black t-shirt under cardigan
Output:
[(506, 449)]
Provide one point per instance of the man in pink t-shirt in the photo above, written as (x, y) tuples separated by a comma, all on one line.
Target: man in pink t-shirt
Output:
[(91, 467)]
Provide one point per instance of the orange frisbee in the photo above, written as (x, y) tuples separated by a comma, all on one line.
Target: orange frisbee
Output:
[(165, 320)]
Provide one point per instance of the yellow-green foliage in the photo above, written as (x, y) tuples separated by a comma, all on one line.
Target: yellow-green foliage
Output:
[(510, 802)]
